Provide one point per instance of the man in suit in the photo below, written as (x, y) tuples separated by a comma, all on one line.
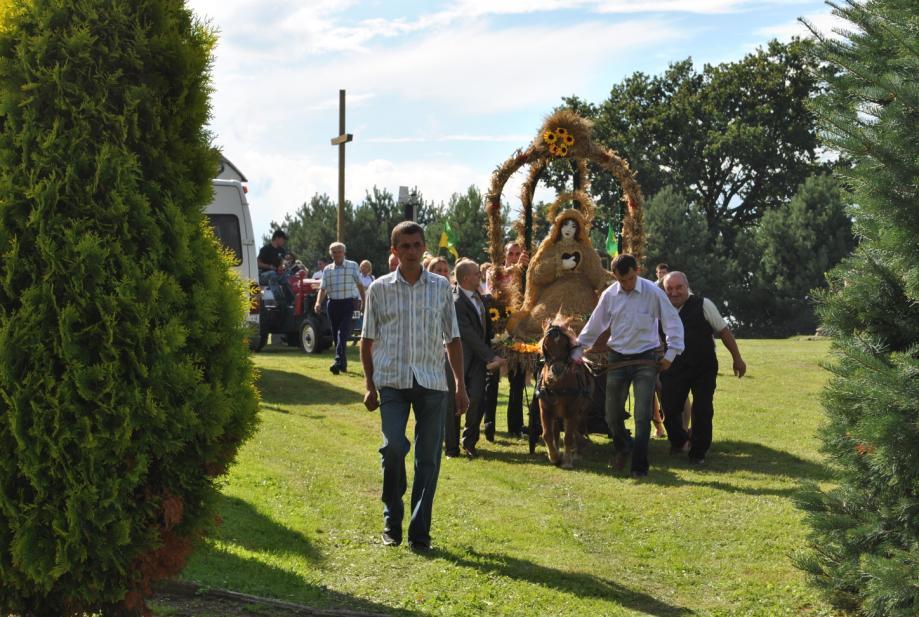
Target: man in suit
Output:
[(475, 333)]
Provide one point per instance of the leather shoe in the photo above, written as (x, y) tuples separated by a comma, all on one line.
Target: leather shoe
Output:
[(639, 474), (619, 460), (452, 453), (490, 432), (335, 369), (470, 453), (419, 547)]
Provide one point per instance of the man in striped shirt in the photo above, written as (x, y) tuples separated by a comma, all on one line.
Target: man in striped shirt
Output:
[(409, 316), (341, 284)]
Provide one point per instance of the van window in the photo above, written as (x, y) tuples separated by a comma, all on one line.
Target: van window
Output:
[(226, 228)]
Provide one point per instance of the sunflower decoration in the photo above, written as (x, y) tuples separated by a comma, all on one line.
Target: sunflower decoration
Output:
[(559, 141), (494, 313)]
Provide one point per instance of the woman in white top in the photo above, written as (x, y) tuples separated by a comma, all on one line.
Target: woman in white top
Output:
[(366, 278)]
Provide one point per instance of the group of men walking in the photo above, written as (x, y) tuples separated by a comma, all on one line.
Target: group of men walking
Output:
[(413, 318)]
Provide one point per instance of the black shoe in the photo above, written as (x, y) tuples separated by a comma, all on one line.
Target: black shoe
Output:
[(696, 460), (391, 539), (470, 452), (639, 474), (619, 460), (419, 547), (335, 369), (451, 453), (490, 432)]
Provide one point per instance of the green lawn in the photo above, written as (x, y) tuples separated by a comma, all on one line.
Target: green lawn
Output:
[(514, 535)]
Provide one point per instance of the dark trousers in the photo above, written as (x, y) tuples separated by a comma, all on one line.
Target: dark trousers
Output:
[(514, 399), (677, 384), (643, 378), (475, 388), (451, 420), (341, 313), (429, 407)]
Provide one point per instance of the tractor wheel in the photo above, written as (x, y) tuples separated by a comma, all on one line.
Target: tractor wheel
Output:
[(310, 339)]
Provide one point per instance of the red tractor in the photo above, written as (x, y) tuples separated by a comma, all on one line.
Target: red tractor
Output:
[(294, 317)]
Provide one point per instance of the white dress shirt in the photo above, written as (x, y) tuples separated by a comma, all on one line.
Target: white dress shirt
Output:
[(632, 318), (409, 325)]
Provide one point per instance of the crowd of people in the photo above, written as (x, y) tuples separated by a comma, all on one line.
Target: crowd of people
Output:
[(426, 345)]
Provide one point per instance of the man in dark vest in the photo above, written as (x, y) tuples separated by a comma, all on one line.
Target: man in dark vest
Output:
[(694, 370)]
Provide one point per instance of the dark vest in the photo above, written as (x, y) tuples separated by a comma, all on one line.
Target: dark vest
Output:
[(697, 333)]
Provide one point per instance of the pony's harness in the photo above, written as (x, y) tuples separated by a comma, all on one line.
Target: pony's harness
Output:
[(544, 392)]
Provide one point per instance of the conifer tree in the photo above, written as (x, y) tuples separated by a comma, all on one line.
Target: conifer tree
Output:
[(125, 385), (864, 539)]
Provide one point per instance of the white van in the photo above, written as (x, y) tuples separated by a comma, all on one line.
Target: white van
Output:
[(229, 216)]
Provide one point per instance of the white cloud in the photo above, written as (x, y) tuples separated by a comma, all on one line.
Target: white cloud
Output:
[(824, 23), (517, 139)]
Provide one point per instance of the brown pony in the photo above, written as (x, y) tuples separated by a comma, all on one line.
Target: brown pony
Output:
[(565, 393)]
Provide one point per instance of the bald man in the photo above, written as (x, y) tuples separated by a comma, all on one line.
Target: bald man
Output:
[(696, 369)]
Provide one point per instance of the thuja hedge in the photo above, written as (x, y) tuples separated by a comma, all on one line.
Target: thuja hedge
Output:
[(125, 385)]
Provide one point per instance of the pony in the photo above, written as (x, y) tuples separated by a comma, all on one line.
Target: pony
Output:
[(565, 394)]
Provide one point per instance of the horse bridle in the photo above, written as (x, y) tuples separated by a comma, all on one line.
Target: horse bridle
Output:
[(546, 390)]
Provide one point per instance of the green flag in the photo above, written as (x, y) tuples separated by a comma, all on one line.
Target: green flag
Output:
[(612, 246), (448, 240)]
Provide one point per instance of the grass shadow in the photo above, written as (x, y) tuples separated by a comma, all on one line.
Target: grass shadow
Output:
[(286, 388), (577, 584), (726, 457), (246, 527), (232, 571)]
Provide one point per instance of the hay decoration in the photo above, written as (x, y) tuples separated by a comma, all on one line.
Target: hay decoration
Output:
[(576, 134), (579, 197)]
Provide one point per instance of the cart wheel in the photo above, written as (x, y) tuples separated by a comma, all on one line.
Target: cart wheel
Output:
[(310, 339)]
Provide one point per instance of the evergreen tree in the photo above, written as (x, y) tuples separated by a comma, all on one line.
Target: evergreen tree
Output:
[(864, 539), (675, 230), (790, 252), (125, 385)]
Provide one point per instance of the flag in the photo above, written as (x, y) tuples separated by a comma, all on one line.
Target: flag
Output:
[(448, 240), (612, 246)]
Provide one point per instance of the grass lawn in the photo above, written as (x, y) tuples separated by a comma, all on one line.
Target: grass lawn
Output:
[(514, 535)]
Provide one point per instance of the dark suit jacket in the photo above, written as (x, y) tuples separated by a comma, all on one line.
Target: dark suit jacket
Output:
[(476, 340)]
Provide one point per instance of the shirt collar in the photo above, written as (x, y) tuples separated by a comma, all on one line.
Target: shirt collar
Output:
[(425, 276), (469, 294), (639, 283)]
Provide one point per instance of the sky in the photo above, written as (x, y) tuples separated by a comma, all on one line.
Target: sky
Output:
[(440, 93)]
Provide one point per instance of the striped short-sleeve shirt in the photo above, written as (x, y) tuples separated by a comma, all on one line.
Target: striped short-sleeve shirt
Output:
[(341, 282), (409, 325)]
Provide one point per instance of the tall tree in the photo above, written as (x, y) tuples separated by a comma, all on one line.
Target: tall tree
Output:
[(312, 228), (675, 229), (125, 386), (790, 252), (736, 139), (864, 539)]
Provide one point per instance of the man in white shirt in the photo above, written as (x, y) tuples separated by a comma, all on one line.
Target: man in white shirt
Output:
[(631, 309), (408, 319), (696, 369)]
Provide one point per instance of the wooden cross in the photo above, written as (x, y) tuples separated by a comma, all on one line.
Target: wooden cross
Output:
[(340, 141)]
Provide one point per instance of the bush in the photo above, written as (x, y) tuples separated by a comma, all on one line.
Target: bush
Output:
[(125, 385)]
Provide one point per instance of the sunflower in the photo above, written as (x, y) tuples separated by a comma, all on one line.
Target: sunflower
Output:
[(559, 140), (494, 313)]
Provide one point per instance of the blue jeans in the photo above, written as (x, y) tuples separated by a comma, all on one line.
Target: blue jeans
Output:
[(430, 407), (340, 315), (618, 381)]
